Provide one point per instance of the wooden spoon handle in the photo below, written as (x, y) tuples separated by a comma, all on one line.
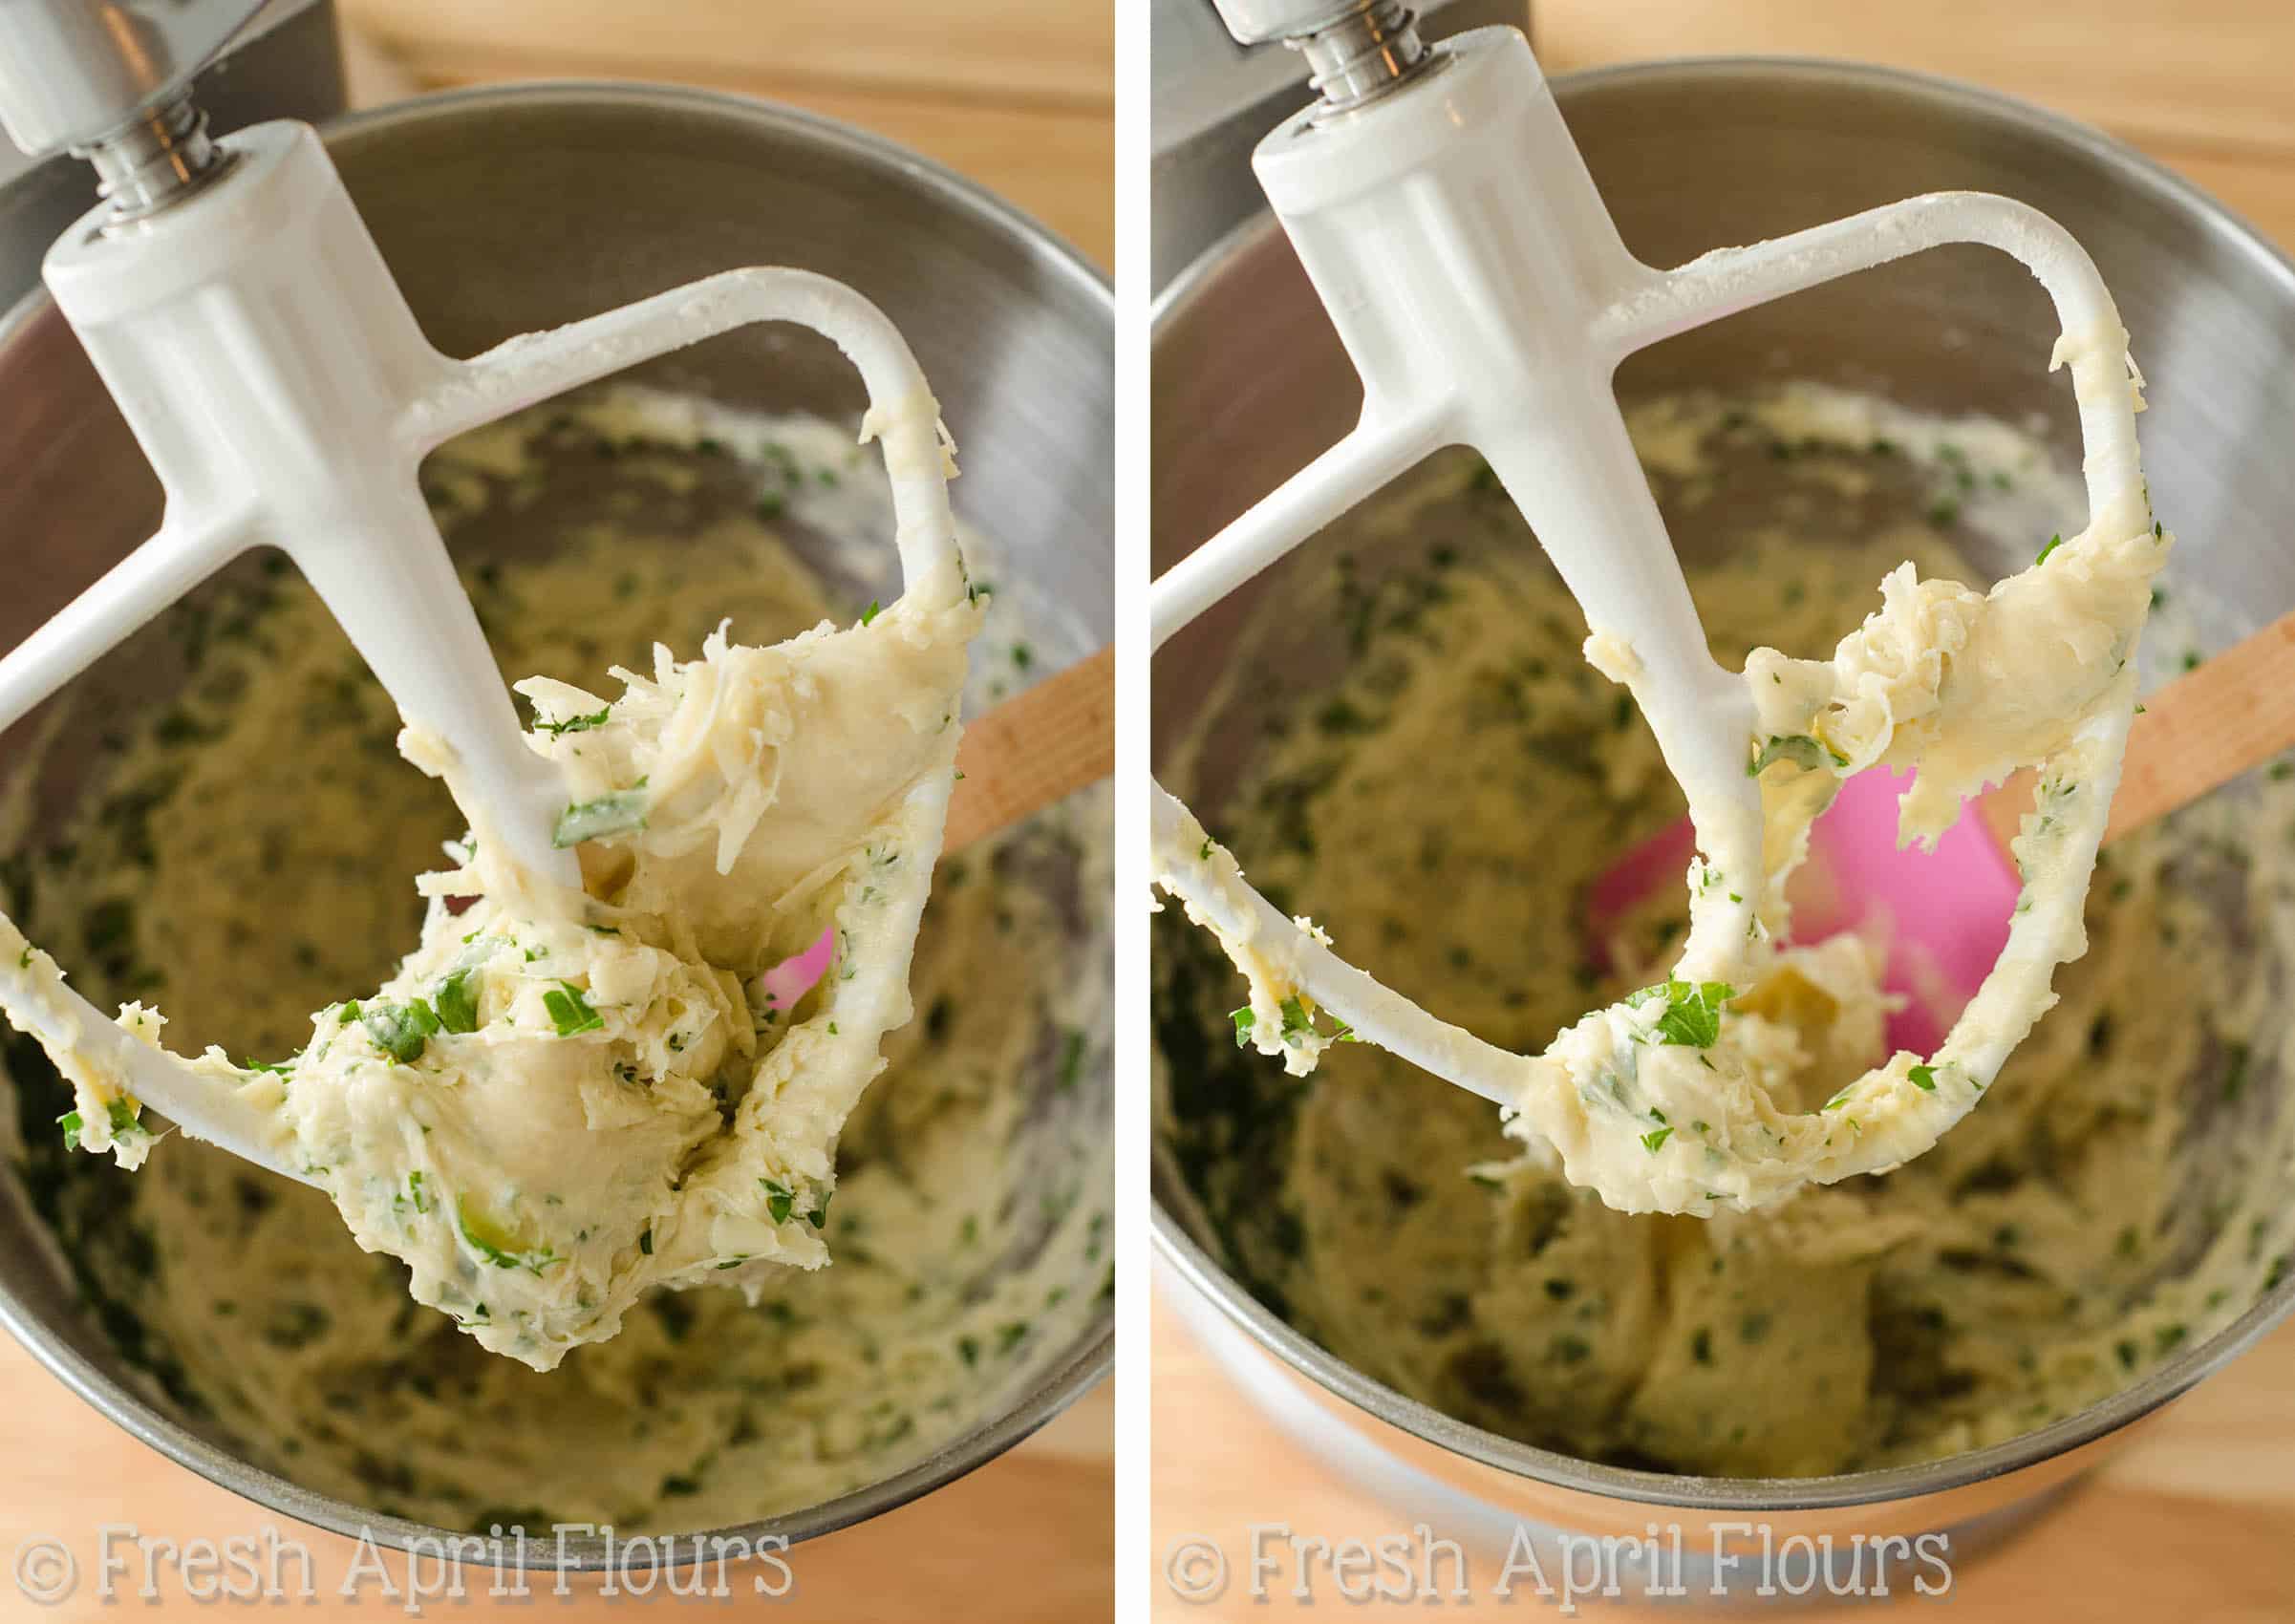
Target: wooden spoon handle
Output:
[(2209, 726), (2198, 733), (1033, 749)]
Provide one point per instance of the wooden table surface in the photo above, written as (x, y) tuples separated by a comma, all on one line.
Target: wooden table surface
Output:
[(2196, 1520), (1017, 95)]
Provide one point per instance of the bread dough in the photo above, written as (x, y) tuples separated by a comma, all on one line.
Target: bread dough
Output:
[(560, 1102), (970, 1233), (2120, 1197)]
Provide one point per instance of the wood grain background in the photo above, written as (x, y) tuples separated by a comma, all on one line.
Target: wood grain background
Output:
[(2196, 1520), (1017, 95)]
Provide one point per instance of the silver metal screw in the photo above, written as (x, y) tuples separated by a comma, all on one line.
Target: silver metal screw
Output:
[(158, 157), (1356, 50), (1363, 57)]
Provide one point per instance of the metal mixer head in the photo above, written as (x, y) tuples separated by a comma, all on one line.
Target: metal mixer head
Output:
[(109, 83)]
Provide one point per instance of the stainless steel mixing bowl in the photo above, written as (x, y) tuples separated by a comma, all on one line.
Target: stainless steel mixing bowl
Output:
[(1249, 382), (505, 210)]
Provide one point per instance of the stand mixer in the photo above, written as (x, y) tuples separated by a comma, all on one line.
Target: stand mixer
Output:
[(241, 318), (1456, 237)]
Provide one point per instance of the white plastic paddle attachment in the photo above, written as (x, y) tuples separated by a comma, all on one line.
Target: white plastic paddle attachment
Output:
[(275, 376), (1466, 258)]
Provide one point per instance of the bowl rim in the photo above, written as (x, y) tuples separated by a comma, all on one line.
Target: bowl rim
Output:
[(1089, 1359), (1937, 95)]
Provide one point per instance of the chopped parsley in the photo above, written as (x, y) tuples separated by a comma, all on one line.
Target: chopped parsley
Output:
[(870, 614), (2053, 542), (402, 1030), (1924, 1077), (780, 1202), (496, 1246), (2238, 1059), (1798, 748), (1692, 1016), (570, 1011), (457, 1002), (617, 813), (574, 724)]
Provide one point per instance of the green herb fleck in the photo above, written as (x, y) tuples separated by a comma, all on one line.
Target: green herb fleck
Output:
[(1798, 748), (576, 724), (491, 1242), (1692, 1017), (457, 1002), (2238, 1059), (402, 1030), (570, 1011), (618, 812)]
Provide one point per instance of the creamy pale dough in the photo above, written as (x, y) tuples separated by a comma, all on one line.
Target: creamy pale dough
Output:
[(1673, 1098), (562, 1102), (2120, 1194), (249, 854)]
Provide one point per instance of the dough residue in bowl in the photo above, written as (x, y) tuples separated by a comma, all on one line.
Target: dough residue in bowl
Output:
[(1441, 799), (242, 859)]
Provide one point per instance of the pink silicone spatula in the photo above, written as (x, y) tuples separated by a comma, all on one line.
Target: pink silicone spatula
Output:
[(1946, 911)]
